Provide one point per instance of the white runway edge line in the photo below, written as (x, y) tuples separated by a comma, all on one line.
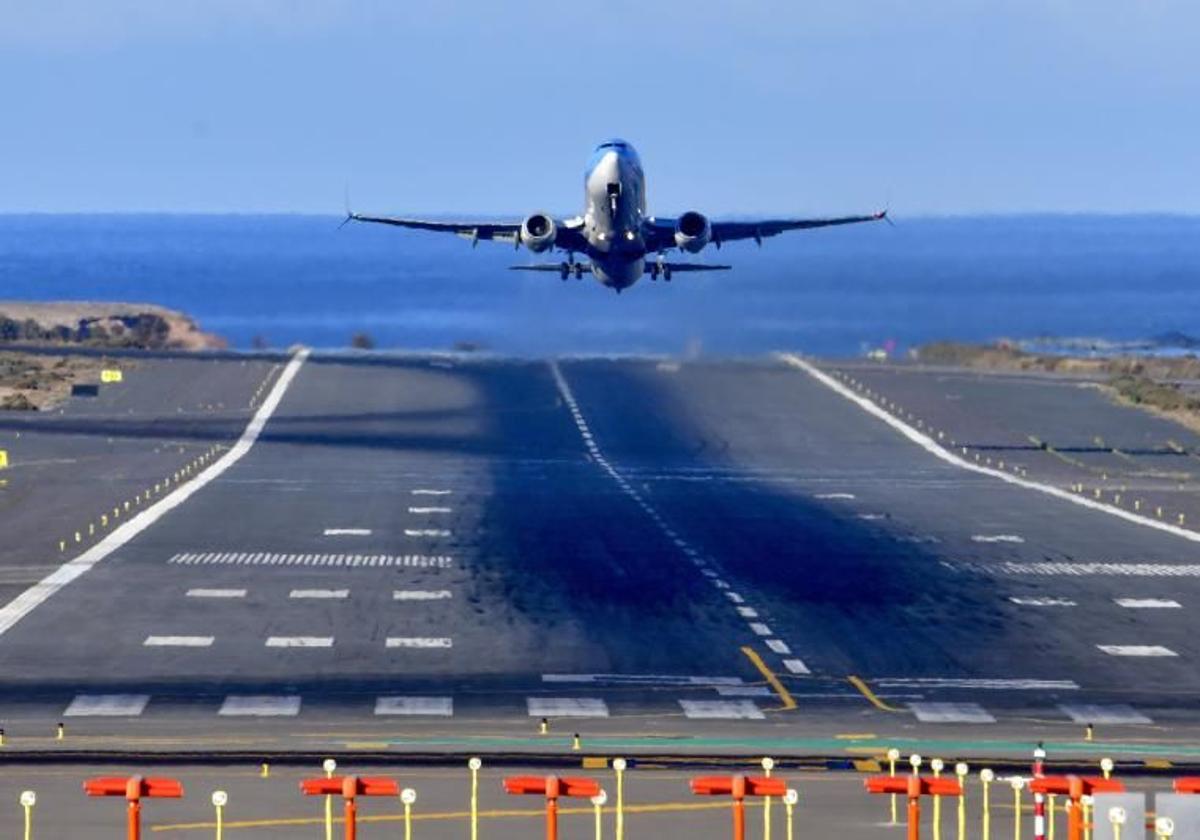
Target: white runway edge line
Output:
[(928, 444), (37, 594)]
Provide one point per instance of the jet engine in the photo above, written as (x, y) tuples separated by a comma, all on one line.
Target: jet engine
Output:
[(538, 232), (692, 232)]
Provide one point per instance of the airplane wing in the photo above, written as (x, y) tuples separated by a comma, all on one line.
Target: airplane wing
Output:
[(568, 234), (473, 231), (662, 236)]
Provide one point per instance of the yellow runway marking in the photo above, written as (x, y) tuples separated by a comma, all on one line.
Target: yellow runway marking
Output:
[(865, 691), (661, 808), (788, 701)]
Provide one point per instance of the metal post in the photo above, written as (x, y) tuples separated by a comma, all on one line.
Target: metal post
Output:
[(892, 755), (329, 765), (351, 819), (789, 800), (619, 766), (936, 766), (134, 820), (551, 818), (914, 817), (474, 764), (768, 764), (985, 778), (408, 796), (1039, 801), (219, 799), (961, 770), (739, 819)]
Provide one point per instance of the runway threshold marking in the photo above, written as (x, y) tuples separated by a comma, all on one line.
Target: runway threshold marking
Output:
[(36, 595), (441, 816), (934, 448), (785, 698), (865, 690)]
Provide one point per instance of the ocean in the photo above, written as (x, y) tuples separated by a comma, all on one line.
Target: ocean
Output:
[(842, 291)]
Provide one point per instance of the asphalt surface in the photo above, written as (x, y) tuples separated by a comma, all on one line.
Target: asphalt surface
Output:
[(435, 553)]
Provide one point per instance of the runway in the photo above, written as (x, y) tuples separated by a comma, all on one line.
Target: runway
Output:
[(420, 547)]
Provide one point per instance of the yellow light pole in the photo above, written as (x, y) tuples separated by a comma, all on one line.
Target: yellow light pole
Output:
[(936, 766), (893, 756), (1087, 801), (28, 800), (1106, 767), (329, 765), (986, 777), (1050, 797), (619, 766), (1018, 784), (597, 807), (474, 764), (789, 800), (768, 764), (914, 761), (219, 801), (408, 796), (961, 769), (1116, 818)]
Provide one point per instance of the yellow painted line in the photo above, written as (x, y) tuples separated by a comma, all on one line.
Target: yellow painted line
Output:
[(1159, 763), (438, 816), (785, 697), (865, 691), (867, 765), (856, 736)]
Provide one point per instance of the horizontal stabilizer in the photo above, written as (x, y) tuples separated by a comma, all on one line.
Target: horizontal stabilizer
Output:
[(651, 267)]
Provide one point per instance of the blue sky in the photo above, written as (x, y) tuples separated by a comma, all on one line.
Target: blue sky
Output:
[(946, 106)]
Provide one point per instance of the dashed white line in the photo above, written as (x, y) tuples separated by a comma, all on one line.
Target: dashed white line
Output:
[(107, 705), (721, 709), (178, 641), (759, 628), (1043, 602), (566, 707), (432, 706), (827, 496), (426, 532), (779, 646), (1148, 603), (1137, 650), (347, 532), (950, 713), (796, 666), (421, 594), (300, 641), (260, 705), (430, 510), (216, 593), (1118, 714), (747, 612), (429, 492), (736, 598), (418, 642), (319, 593), (997, 538)]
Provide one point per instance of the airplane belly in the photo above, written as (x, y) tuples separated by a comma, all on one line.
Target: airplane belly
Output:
[(618, 273)]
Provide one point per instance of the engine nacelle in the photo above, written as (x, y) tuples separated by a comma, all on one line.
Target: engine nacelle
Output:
[(692, 232), (538, 232)]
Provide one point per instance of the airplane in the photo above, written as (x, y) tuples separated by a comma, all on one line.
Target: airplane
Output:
[(614, 233)]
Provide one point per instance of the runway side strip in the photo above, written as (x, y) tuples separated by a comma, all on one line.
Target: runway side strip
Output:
[(930, 445), (37, 594)]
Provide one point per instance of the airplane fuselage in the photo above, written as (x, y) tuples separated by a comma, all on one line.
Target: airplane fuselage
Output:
[(614, 212)]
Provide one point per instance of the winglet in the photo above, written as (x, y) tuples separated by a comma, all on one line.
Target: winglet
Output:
[(350, 214), (882, 216)]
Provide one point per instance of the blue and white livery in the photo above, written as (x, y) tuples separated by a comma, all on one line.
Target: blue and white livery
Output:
[(618, 240)]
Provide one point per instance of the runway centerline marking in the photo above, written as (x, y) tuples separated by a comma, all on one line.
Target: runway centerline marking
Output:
[(300, 642), (421, 642), (347, 532), (932, 447), (37, 594), (997, 538), (1148, 603), (261, 705), (1137, 650), (426, 532), (319, 593), (216, 593), (178, 641), (430, 510), (1043, 602), (427, 492), (421, 594)]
